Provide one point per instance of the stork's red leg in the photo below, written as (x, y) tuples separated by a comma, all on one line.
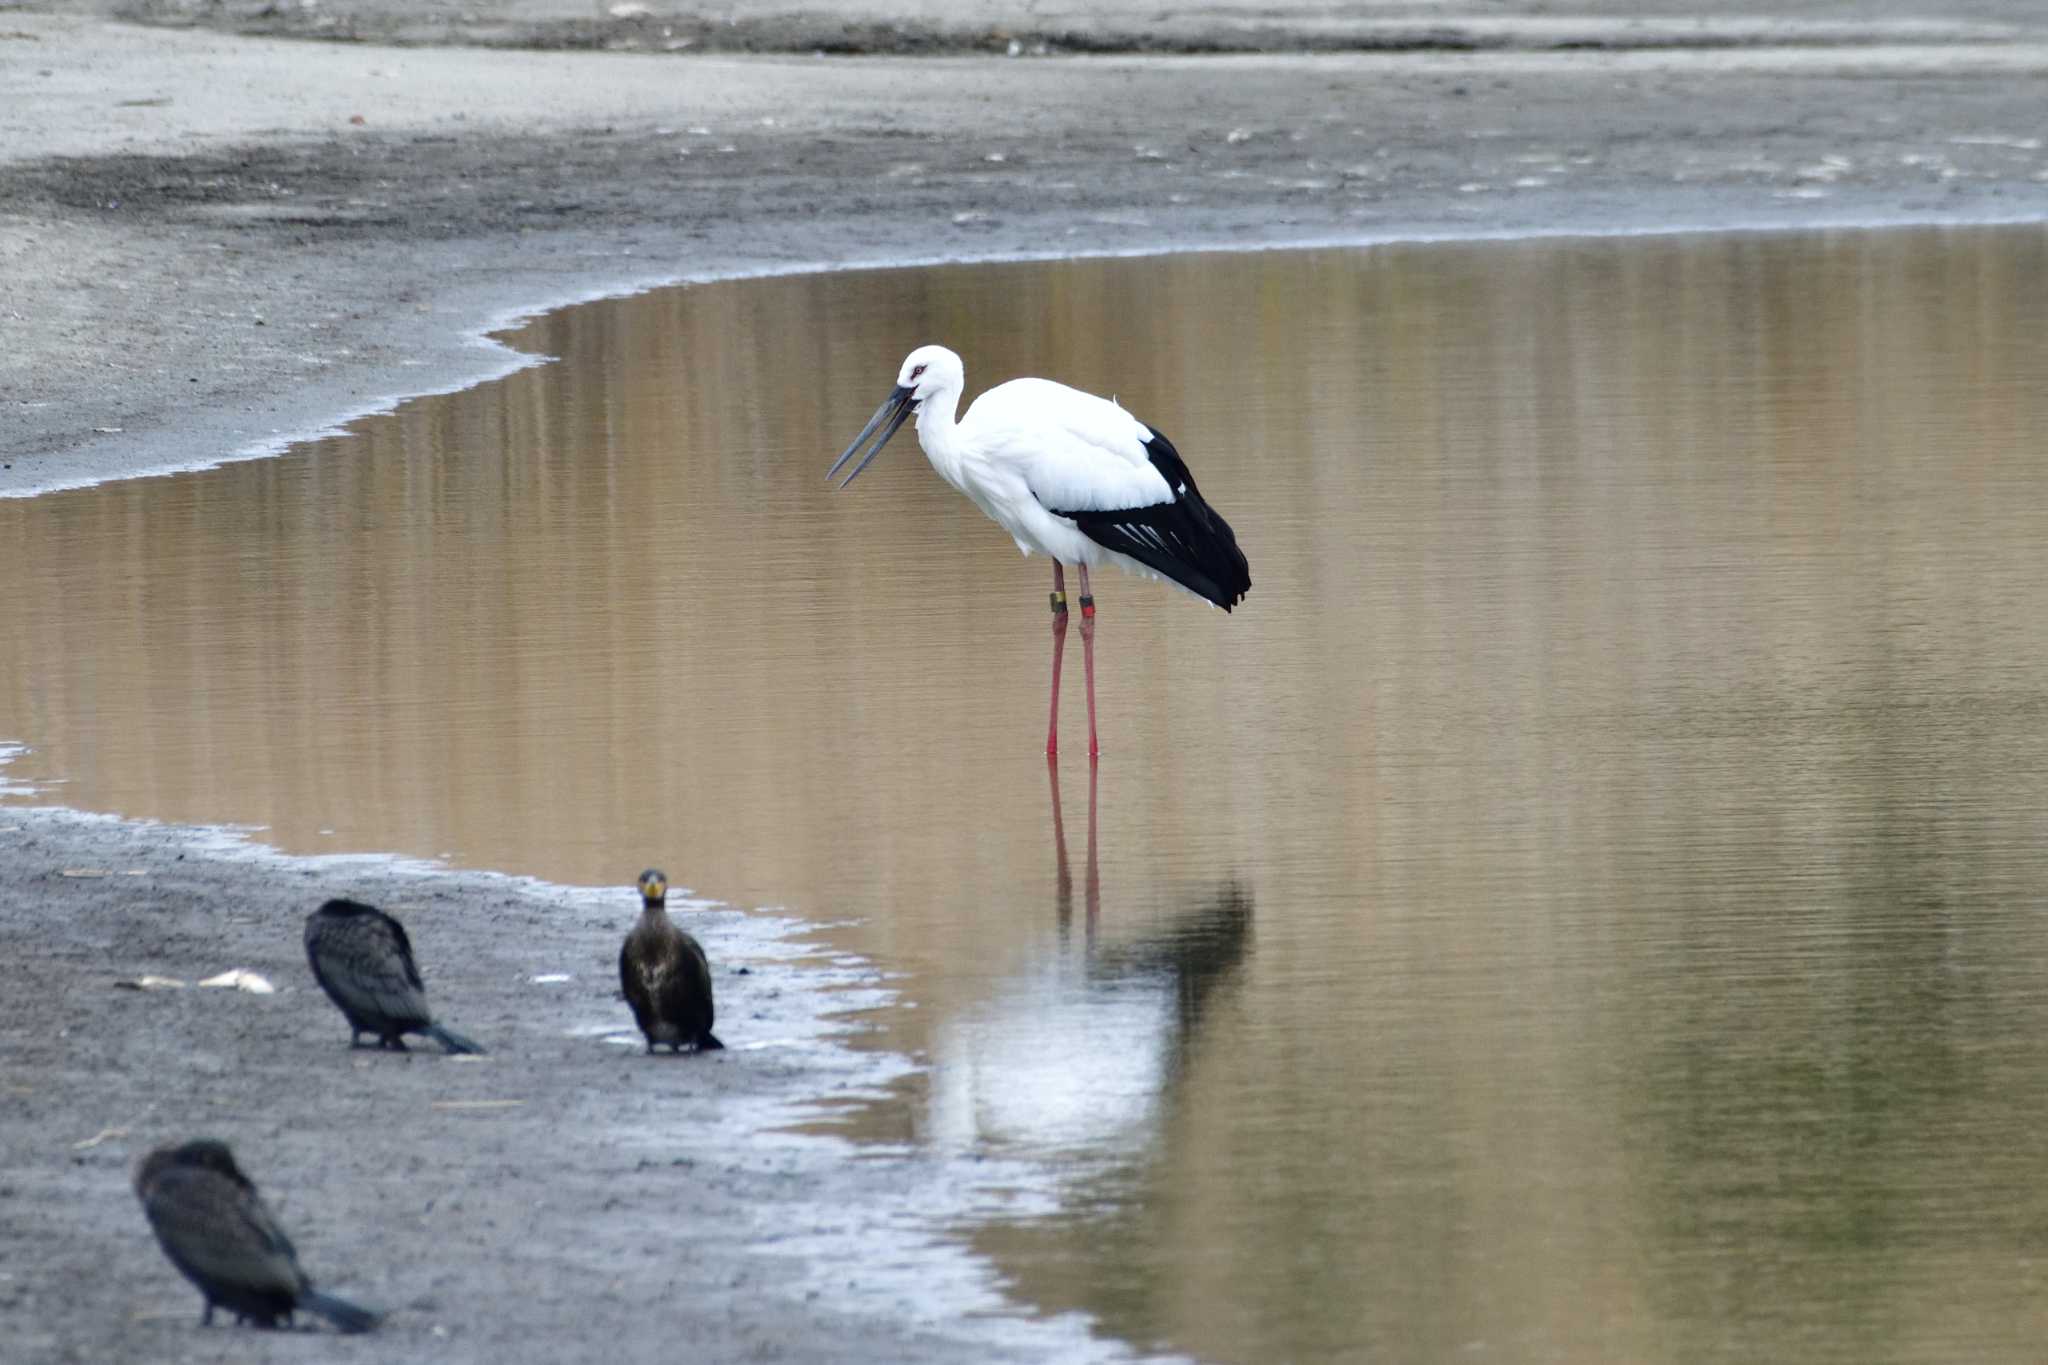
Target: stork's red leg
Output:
[(1059, 645), (1088, 654)]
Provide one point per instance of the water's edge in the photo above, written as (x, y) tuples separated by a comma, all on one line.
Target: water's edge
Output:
[(474, 355), (916, 1266), (852, 1233)]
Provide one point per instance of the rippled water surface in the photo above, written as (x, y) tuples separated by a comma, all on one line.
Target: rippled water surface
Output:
[(1587, 903)]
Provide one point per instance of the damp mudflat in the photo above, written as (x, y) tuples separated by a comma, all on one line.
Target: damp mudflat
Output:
[(1587, 903)]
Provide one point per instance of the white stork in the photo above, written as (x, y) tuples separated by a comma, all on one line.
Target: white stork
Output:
[(1070, 476)]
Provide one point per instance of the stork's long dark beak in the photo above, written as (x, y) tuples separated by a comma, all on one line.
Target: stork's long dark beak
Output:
[(895, 410)]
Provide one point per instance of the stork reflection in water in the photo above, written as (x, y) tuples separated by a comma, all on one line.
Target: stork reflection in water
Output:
[(1027, 1067), (1070, 476), (1092, 877)]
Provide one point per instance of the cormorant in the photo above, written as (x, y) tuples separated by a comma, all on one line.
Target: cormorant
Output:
[(363, 960), (223, 1238), (665, 975)]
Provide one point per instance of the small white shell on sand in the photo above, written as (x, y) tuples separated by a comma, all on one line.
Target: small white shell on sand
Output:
[(241, 980)]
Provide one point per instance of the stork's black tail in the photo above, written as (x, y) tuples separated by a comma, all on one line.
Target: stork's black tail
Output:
[(1185, 540), (451, 1040), (708, 1042)]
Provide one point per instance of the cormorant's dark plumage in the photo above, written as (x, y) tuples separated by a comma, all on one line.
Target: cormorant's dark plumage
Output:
[(665, 975), (222, 1237), (363, 960)]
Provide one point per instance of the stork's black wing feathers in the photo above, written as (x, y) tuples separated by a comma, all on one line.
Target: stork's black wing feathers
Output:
[(1185, 539)]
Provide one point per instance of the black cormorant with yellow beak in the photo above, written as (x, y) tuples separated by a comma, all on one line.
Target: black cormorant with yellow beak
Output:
[(665, 975)]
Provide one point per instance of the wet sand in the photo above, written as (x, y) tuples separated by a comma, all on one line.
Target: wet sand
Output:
[(561, 1195), (205, 255)]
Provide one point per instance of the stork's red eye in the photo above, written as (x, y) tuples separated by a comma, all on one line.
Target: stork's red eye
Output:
[(917, 371)]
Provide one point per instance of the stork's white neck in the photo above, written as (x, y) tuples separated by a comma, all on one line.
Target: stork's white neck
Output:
[(939, 433)]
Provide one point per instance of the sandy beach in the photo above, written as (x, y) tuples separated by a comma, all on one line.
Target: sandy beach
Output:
[(227, 227)]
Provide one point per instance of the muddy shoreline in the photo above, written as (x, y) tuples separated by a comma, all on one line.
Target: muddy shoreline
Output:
[(561, 1188), (216, 243)]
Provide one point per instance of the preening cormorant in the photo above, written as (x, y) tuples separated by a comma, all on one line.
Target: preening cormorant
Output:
[(363, 960), (665, 975), (222, 1237)]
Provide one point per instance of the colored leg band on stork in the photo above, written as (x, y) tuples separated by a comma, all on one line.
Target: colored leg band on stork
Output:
[(1087, 605), (1059, 603)]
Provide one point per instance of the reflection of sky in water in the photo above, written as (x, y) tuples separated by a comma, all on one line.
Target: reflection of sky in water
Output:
[(9, 786)]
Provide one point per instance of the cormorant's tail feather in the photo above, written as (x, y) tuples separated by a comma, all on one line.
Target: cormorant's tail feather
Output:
[(708, 1042), (450, 1039), (345, 1316)]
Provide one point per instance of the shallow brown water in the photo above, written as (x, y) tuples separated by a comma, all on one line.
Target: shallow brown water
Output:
[(1587, 903)]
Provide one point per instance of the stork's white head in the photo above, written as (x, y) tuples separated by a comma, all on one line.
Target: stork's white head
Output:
[(929, 372)]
